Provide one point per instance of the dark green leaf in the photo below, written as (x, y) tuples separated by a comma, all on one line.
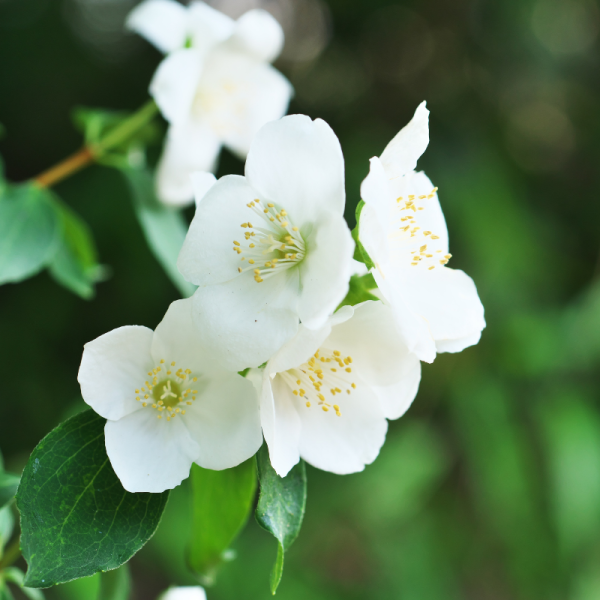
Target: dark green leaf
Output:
[(222, 501), (29, 232), (359, 290), (16, 576), (8, 487), (164, 228), (360, 253), (75, 264), (76, 518), (115, 585), (280, 507)]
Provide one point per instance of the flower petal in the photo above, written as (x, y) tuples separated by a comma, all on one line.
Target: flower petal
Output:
[(326, 269), (374, 342), (184, 593), (207, 255), (280, 424), (112, 367), (189, 147), (448, 300), (224, 420), (176, 339), (458, 344), (207, 26), (149, 454), (175, 82), (258, 33), (347, 443), (161, 22), (412, 326), (396, 398), (298, 164), (246, 321), (401, 154)]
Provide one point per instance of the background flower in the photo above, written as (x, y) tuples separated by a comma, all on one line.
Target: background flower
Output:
[(215, 87)]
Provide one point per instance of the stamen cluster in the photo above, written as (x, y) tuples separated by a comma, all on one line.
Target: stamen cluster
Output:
[(168, 390), (307, 380), (274, 247), (424, 253)]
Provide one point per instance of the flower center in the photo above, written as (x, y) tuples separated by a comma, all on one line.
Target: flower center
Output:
[(410, 236), (272, 247), (319, 381), (169, 391)]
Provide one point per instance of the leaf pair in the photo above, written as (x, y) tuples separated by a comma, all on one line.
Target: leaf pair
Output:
[(38, 230)]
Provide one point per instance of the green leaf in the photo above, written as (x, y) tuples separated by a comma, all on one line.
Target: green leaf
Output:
[(359, 290), (96, 123), (8, 487), (5, 593), (280, 507), (16, 576), (29, 232), (75, 264), (222, 501), (165, 228), (360, 253), (76, 518), (115, 585)]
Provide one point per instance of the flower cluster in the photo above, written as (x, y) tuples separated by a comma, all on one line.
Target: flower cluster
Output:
[(262, 349)]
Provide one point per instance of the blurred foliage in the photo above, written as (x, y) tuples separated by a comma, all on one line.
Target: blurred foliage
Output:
[(489, 488)]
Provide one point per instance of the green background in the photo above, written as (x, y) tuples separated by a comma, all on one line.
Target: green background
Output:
[(489, 488)]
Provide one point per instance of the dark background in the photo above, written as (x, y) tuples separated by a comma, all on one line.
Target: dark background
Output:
[(489, 488)]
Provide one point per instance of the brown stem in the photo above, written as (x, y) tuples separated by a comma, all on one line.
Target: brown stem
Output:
[(67, 167)]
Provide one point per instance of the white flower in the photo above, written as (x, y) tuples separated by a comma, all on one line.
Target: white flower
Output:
[(167, 403), (215, 87), (271, 248), (403, 230), (184, 593), (326, 394)]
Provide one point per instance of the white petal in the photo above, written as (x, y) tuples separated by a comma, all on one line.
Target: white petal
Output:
[(376, 214), (258, 33), (207, 256), (347, 443), (149, 454), (262, 94), (281, 425), (412, 326), (326, 269), (401, 154), (176, 339), (224, 420), (458, 344), (397, 397), (113, 366), (175, 82), (298, 164), (189, 147), (373, 340), (202, 181), (246, 321), (448, 300), (184, 593), (161, 22), (207, 26), (299, 349)]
